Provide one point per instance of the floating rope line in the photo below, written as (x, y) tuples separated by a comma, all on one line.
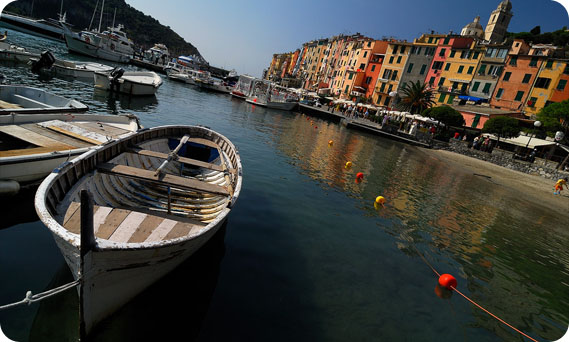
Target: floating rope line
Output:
[(470, 300), (40, 296)]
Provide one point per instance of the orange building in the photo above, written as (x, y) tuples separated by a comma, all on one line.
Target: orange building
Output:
[(379, 47), (523, 65)]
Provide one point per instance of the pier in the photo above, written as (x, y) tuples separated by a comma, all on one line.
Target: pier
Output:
[(361, 124)]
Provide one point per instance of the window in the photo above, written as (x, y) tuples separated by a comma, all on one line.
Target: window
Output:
[(389, 88), (438, 65), (502, 53), (442, 52), (351, 75), (430, 39), (441, 81), (394, 77), (482, 70), (462, 54), (499, 93), (533, 62), (391, 60), (368, 80), (368, 44), (413, 49), (507, 76), (423, 69), (476, 54), (486, 89), (398, 59), (432, 80), (475, 86), (470, 70), (419, 50), (362, 66), (460, 68), (542, 82), (447, 67), (514, 60), (382, 89), (475, 121), (365, 54), (373, 68), (346, 90), (386, 102), (566, 70), (519, 96), (379, 99), (386, 73), (561, 85), (442, 97), (395, 49), (402, 49), (526, 79), (531, 102), (450, 98), (446, 41), (452, 52), (549, 64), (410, 67)]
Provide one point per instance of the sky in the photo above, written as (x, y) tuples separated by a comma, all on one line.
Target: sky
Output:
[(244, 34)]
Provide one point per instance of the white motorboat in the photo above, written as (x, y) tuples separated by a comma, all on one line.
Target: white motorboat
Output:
[(13, 53), (158, 54), (111, 45), (21, 99), (50, 28), (243, 87), (182, 77), (265, 93), (182, 64), (205, 81), (157, 196), (129, 82), (32, 145), (64, 68)]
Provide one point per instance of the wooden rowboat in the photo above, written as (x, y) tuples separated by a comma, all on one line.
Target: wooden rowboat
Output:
[(158, 196)]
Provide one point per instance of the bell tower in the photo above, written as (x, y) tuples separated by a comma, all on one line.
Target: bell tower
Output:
[(498, 23)]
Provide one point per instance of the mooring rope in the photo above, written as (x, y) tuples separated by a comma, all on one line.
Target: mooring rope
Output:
[(471, 301), (29, 299)]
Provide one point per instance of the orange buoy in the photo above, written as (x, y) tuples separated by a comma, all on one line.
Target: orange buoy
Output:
[(447, 281), (330, 142)]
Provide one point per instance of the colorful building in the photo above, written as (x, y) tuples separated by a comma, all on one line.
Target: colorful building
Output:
[(390, 74), (488, 71), (378, 50), (549, 86), (521, 71), (420, 58)]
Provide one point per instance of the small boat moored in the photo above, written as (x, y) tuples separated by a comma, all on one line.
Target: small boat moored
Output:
[(47, 63), (157, 197), (21, 99), (32, 145), (128, 82), (243, 87)]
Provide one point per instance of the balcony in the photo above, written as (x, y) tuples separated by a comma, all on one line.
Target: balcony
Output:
[(451, 90)]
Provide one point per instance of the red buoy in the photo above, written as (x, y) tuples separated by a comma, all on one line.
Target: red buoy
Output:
[(359, 175), (447, 281)]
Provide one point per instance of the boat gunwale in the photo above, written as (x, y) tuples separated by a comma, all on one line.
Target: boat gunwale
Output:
[(92, 157)]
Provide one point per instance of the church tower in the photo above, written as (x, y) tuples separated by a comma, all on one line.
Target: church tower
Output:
[(498, 23)]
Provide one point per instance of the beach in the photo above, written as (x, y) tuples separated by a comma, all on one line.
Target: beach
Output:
[(534, 188)]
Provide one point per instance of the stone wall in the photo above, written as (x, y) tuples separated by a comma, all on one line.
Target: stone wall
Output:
[(540, 167)]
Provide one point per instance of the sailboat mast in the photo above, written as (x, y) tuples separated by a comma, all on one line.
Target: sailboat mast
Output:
[(61, 10), (114, 15), (93, 17), (101, 17)]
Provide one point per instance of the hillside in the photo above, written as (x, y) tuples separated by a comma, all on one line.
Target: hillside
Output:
[(142, 29), (535, 36)]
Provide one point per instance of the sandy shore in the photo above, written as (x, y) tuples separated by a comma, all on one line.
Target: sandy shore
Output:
[(536, 189)]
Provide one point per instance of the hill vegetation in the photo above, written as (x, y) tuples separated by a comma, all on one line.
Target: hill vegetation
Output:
[(142, 29), (557, 38)]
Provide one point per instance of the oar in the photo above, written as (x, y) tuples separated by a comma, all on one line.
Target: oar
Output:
[(172, 155)]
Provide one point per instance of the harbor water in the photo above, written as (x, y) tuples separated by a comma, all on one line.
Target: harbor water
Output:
[(305, 255)]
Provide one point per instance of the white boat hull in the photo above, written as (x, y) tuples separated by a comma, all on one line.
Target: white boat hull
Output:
[(127, 86), (83, 48), (27, 100), (282, 105)]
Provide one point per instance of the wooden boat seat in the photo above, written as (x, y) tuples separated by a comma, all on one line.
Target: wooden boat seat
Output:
[(27, 102), (81, 133), (188, 161), (161, 179), (8, 105), (44, 144), (132, 226)]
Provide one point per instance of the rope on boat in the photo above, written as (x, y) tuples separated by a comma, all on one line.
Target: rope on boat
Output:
[(473, 302), (29, 299)]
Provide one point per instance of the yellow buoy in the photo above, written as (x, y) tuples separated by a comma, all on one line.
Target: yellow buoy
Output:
[(330, 142), (380, 199), (348, 165)]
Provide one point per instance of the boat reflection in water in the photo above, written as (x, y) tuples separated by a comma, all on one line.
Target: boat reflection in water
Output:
[(189, 288), (126, 102)]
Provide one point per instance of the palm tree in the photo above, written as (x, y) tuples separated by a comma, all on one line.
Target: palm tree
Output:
[(416, 97)]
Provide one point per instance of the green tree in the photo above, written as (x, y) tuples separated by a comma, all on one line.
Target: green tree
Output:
[(503, 127), (446, 115), (416, 97), (555, 117)]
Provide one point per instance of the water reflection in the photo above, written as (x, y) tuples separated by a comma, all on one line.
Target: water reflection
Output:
[(125, 102)]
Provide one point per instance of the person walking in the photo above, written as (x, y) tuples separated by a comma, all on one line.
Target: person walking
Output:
[(559, 186)]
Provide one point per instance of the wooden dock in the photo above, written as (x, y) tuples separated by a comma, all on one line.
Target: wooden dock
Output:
[(360, 124)]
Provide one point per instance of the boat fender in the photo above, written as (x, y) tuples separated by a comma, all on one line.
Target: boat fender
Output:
[(116, 74), (46, 61), (9, 187)]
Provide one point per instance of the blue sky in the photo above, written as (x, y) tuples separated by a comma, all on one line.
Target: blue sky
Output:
[(243, 35)]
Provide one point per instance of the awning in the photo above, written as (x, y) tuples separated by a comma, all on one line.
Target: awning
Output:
[(362, 88), (471, 98), (523, 140)]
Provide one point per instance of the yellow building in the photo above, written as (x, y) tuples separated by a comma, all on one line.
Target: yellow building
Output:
[(549, 83), (389, 78)]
